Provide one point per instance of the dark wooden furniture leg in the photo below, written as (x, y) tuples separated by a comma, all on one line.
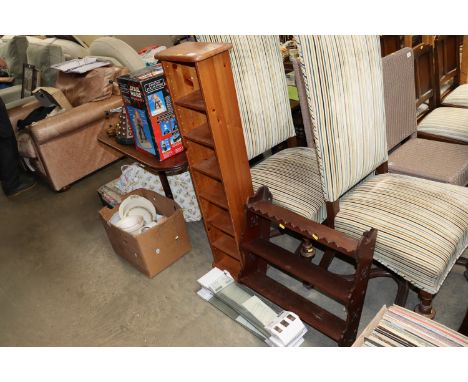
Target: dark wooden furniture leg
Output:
[(165, 184), (403, 285), (464, 326), (464, 262), (402, 293), (425, 306)]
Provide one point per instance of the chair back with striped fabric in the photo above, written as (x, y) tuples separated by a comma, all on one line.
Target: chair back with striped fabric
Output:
[(262, 92), (344, 83), (399, 91)]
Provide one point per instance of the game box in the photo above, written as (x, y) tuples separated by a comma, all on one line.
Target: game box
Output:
[(150, 112)]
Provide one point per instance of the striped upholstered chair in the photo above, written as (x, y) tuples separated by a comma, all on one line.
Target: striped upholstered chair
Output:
[(423, 158), (422, 225), (449, 124), (292, 174)]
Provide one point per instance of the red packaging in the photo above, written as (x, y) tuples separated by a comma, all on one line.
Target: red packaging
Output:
[(150, 112)]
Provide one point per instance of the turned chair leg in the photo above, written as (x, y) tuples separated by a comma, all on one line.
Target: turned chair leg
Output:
[(425, 306), (306, 249)]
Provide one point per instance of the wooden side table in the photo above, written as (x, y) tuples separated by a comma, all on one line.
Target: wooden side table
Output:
[(174, 165)]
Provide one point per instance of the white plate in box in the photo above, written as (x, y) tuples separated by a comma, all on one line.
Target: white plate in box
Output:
[(138, 205), (131, 224)]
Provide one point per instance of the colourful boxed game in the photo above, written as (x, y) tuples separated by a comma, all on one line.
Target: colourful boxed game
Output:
[(150, 112)]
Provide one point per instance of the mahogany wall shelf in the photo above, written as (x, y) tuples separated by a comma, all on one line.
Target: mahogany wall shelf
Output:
[(201, 84)]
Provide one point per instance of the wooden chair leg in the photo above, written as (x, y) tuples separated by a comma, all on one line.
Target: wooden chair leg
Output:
[(425, 306), (402, 293), (464, 326), (327, 258), (463, 261)]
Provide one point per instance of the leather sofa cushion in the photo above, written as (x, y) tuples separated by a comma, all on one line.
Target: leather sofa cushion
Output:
[(14, 53), (43, 57), (96, 85)]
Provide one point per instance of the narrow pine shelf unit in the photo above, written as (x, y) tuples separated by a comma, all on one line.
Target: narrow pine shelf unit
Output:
[(200, 81)]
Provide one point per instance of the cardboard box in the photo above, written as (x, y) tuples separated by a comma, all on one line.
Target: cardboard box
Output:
[(150, 112), (158, 247)]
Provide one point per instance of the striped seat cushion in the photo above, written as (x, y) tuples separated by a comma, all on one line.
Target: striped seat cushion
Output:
[(446, 122), (422, 225), (439, 161), (458, 97), (293, 177)]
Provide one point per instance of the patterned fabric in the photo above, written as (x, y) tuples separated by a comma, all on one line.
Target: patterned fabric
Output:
[(399, 92), (292, 176), (458, 97), (424, 158), (422, 225), (110, 193), (134, 176), (344, 83), (262, 93), (447, 122)]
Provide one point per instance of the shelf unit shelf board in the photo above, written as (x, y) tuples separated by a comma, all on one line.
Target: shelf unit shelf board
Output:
[(222, 221), (209, 167), (193, 101), (227, 245), (214, 196), (201, 135)]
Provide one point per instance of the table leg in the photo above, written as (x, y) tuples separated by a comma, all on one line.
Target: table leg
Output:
[(165, 184)]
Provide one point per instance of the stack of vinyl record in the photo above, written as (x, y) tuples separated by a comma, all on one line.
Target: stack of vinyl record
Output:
[(399, 327)]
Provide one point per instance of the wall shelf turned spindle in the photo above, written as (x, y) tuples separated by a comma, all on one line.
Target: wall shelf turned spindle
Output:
[(201, 85)]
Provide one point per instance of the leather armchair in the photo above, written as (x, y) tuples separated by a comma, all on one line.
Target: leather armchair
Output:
[(64, 147)]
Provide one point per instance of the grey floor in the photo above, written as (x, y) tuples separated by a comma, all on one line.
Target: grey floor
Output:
[(62, 285)]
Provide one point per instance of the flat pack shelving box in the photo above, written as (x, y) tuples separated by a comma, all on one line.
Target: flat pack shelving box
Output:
[(157, 248)]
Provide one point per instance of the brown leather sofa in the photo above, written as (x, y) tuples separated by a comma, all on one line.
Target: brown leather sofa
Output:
[(64, 147)]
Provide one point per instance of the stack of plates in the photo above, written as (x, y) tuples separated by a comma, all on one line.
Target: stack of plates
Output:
[(136, 205), (136, 215)]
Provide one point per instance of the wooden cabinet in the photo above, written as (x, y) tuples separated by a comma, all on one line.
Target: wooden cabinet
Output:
[(201, 85)]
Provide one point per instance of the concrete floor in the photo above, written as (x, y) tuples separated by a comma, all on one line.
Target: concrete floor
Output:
[(62, 285)]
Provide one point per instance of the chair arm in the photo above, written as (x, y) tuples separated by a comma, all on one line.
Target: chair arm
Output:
[(71, 120), (10, 94), (22, 111)]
